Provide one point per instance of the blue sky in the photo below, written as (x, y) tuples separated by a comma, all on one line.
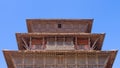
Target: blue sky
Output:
[(106, 15)]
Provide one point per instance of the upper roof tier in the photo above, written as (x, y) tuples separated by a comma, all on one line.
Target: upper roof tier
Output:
[(59, 25)]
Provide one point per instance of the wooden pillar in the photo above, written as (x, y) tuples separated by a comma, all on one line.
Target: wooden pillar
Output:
[(76, 60), (44, 60), (43, 43), (33, 60), (55, 59), (97, 60), (65, 60), (23, 60), (30, 42), (55, 41), (86, 60), (75, 46), (89, 43), (64, 41)]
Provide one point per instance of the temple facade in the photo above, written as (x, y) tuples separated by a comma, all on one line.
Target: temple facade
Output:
[(59, 43)]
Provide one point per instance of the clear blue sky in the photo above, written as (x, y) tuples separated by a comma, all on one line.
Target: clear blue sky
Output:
[(106, 14)]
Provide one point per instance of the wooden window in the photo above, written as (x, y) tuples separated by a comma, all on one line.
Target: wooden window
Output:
[(102, 59), (59, 41), (39, 60), (51, 41), (17, 58), (59, 26), (50, 60), (37, 43), (68, 41), (70, 59), (91, 59), (28, 59), (82, 43), (60, 59), (81, 59)]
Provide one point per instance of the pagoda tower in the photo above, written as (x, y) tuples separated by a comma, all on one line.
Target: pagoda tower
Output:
[(59, 43)]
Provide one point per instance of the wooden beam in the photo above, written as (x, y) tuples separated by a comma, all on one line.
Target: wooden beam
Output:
[(106, 61), (93, 46), (26, 45), (13, 61)]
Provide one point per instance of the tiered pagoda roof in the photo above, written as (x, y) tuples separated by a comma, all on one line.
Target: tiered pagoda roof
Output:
[(69, 33)]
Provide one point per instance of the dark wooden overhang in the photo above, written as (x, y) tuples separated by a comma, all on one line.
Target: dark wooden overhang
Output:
[(33, 25), (10, 62), (93, 37)]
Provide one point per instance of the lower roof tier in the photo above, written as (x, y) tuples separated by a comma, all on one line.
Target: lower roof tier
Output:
[(56, 59)]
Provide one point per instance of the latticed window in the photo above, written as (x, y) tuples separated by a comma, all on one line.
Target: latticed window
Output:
[(37, 47), (68, 41), (91, 59), (50, 60), (60, 60), (28, 59), (81, 59), (51, 41), (18, 60), (82, 43), (37, 43), (39, 60), (102, 59), (69, 60), (60, 41)]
